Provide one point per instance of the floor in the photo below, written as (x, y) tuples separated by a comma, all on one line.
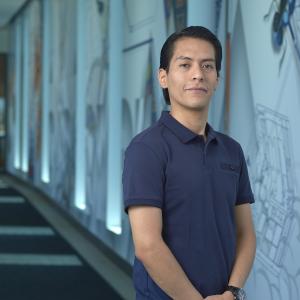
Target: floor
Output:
[(44, 256)]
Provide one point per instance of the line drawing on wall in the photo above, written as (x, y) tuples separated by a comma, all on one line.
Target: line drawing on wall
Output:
[(273, 179)]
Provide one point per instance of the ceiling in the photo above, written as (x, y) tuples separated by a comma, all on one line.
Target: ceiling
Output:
[(8, 8)]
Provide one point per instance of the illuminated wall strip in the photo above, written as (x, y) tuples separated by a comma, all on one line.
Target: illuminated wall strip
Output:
[(45, 172), (114, 101), (80, 108), (25, 94), (18, 74)]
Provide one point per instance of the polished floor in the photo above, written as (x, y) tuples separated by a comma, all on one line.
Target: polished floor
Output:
[(41, 253)]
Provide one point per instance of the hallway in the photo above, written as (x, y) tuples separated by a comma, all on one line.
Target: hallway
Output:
[(36, 262)]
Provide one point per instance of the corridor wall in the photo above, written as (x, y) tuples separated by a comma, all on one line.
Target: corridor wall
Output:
[(67, 65), (264, 117)]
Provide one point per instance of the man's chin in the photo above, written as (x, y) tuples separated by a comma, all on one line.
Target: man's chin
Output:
[(194, 105), (198, 107)]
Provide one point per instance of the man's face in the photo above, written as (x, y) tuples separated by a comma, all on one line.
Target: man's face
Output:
[(192, 76)]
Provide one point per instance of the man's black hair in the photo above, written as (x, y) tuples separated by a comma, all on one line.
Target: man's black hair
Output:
[(198, 32)]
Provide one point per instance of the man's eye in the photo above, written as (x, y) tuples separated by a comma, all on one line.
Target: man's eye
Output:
[(184, 65), (208, 67)]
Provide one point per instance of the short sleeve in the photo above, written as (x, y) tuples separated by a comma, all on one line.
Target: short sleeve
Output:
[(143, 177), (245, 194)]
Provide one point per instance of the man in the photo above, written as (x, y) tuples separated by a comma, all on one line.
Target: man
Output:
[(186, 186)]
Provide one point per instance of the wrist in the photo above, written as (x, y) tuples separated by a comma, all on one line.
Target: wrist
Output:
[(237, 293), (228, 295), (193, 295)]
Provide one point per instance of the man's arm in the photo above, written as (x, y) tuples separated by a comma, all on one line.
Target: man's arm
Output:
[(151, 250), (246, 245), (245, 251)]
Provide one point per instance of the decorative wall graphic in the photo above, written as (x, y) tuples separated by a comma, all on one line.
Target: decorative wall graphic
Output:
[(274, 187), (62, 103), (34, 19), (139, 14), (146, 109), (175, 14), (10, 101), (294, 26), (286, 18), (3, 79), (264, 117), (277, 220), (96, 110), (135, 84), (219, 4)]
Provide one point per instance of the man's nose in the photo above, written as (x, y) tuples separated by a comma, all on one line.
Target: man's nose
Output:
[(198, 73)]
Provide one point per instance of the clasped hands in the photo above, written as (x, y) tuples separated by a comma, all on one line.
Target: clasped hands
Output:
[(225, 296)]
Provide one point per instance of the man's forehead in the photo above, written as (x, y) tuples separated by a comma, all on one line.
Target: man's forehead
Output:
[(185, 47)]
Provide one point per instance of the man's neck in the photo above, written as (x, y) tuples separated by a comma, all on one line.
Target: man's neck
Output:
[(193, 120)]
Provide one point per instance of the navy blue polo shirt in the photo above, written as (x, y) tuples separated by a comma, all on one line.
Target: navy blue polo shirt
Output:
[(196, 184)]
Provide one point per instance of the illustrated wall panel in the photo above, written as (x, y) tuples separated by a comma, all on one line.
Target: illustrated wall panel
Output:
[(265, 119), (11, 99), (62, 89), (96, 108), (95, 73), (35, 109)]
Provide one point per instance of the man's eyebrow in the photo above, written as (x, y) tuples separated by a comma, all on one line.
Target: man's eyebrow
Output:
[(208, 59), (183, 58), (189, 58)]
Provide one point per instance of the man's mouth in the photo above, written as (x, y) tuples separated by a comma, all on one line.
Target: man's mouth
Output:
[(198, 90)]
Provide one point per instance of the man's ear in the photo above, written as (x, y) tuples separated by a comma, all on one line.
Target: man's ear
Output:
[(217, 83), (162, 78)]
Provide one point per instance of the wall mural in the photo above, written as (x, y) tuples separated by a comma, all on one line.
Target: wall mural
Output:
[(175, 14), (96, 110), (11, 99), (277, 221), (34, 21), (266, 102), (62, 104), (285, 20)]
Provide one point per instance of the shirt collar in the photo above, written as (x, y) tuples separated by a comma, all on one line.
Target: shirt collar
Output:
[(182, 132)]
